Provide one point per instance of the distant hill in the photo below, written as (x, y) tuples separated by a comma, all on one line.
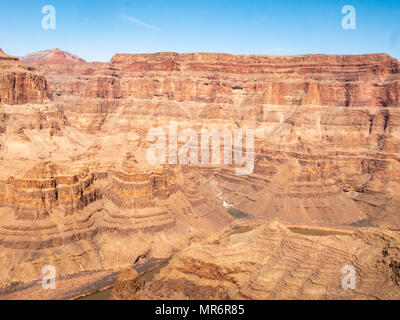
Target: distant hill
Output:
[(51, 56)]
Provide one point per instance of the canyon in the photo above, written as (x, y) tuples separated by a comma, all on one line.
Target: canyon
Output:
[(77, 193), (269, 261)]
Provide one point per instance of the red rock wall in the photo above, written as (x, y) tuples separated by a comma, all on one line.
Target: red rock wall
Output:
[(342, 80), (20, 84)]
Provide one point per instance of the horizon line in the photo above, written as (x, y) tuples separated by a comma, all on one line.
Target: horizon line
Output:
[(206, 52)]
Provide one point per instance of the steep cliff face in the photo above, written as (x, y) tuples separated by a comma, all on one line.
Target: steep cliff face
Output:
[(19, 84), (77, 187), (348, 81), (326, 127)]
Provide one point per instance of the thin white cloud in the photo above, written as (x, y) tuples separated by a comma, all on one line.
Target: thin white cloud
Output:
[(137, 21)]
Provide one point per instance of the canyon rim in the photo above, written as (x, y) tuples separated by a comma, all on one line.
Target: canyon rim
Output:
[(78, 193)]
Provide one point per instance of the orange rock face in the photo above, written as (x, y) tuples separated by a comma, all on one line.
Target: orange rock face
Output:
[(77, 188), (268, 261), (19, 84)]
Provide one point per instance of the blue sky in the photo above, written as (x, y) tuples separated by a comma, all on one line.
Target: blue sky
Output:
[(97, 29)]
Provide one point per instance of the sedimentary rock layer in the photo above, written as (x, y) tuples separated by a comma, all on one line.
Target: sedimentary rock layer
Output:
[(348, 81), (20, 84), (269, 261), (77, 192)]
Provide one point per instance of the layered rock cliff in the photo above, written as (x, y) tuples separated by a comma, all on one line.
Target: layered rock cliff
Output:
[(347, 81), (269, 261), (77, 192), (19, 84)]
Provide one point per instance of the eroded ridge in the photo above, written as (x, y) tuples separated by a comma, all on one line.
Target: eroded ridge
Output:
[(268, 261), (20, 84), (77, 192)]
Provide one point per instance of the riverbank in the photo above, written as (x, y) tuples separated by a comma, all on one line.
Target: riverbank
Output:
[(67, 287)]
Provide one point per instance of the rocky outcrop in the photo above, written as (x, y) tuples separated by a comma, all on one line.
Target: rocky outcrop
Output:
[(51, 56), (125, 283), (77, 192), (47, 188), (323, 80), (19, 84), (347, 81), (135, 186), (268, 261)]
